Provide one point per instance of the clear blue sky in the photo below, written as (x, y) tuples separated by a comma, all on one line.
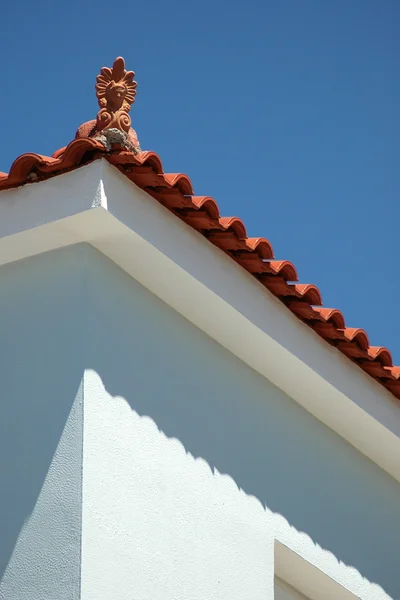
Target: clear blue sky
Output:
[(285, 111)]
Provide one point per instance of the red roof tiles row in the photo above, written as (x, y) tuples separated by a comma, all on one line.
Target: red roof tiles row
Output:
[(175, 192)]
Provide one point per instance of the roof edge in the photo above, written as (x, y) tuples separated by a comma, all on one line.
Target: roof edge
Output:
[(255, 255), (99, 205)]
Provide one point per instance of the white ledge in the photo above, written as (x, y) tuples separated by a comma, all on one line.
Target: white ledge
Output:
[(98, 205)]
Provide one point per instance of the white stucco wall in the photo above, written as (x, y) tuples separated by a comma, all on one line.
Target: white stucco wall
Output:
[(192, 464), (192, 461), (41, 359)]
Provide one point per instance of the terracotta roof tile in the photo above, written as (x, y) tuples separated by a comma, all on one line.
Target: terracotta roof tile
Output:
[(175, 192)]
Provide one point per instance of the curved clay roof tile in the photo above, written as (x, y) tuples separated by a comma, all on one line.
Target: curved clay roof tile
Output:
[(235, 224), (332, 315), (354, 334)]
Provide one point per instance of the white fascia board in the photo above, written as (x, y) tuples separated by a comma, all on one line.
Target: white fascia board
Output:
[(97, 204)]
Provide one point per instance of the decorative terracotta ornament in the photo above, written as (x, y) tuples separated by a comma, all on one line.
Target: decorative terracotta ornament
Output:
[(116, 91)]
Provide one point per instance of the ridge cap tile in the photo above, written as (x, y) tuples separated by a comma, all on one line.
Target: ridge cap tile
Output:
[(254, 254)]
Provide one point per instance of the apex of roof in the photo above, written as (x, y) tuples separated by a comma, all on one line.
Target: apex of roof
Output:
[(110, 136)]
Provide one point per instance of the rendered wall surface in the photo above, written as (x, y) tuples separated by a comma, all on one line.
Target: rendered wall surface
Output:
[(41, 359), (182, 463), (185, 446)]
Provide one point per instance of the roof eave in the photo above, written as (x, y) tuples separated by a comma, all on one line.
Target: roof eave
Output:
[(98, 205)]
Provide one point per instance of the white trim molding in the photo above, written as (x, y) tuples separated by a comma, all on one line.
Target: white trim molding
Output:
[(98, 205)]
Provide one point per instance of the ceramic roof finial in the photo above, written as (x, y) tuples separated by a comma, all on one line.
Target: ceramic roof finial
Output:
[(115, 91)]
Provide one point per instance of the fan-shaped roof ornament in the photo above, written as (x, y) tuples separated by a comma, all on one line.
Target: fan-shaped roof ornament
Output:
[(115, 91)]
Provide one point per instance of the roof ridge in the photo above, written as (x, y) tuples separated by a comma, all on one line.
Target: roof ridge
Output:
[(175, 192)]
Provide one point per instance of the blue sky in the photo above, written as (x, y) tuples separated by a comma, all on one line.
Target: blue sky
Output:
[(286, 112)]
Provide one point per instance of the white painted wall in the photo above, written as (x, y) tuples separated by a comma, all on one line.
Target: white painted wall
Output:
[(192, 464), (41, 359)]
